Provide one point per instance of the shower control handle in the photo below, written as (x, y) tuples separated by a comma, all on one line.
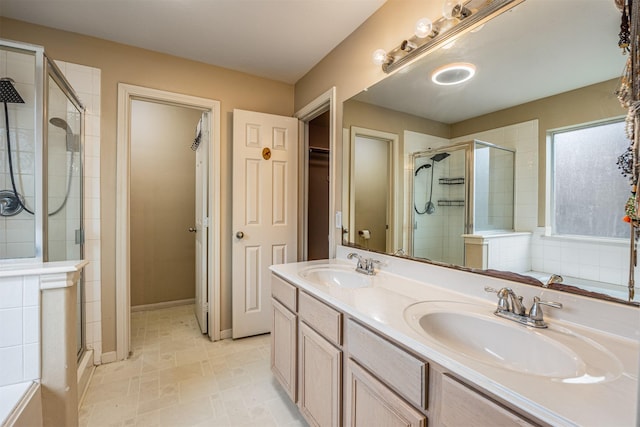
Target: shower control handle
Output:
[(239, 234), (192, 230)]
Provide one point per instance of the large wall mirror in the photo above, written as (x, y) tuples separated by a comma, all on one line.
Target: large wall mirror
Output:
[(512, 170)]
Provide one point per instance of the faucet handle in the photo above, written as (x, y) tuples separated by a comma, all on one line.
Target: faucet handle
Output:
[(535, 313), (503, 297)]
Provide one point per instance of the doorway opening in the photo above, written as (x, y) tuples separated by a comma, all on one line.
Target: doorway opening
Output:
[(163, 200), (318, 184), (317, 235), (208, 193)]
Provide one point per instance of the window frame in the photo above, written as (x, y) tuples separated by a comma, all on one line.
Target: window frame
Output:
[(550, 211)]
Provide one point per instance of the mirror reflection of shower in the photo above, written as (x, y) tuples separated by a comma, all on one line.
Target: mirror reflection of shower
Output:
[(429, 207), (471, 192), (12, 201)]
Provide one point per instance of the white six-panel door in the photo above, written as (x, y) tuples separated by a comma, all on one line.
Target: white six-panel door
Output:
[(264, 224)]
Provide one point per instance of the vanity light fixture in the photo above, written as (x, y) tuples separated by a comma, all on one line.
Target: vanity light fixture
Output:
[(458, 17), (453, 74)]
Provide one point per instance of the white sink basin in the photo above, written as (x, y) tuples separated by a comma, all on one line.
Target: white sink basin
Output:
[(474, 332), (337, 275)]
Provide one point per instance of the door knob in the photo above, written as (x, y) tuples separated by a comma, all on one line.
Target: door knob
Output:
[(239, 234), (192, 230)]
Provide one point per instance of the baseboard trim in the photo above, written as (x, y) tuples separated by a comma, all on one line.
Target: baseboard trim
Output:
[(159, 305), (109, 357), (85, 372), (225, 334)]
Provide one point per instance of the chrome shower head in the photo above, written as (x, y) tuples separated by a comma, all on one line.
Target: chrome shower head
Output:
[(73, 141), (60, 123), (440, 156), (8, 93)]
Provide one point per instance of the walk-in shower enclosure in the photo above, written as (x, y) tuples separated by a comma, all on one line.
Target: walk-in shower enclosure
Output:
[(41, 159), (41, 162), (471, 188)]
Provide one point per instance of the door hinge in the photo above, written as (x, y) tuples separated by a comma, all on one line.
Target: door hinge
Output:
[(205, 222), (205, 307)]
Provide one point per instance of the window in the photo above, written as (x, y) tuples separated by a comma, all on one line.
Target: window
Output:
[(588, 190)]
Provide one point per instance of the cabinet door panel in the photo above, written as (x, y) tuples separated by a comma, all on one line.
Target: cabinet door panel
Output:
[(319, 379), (371, 403), (284, 335)]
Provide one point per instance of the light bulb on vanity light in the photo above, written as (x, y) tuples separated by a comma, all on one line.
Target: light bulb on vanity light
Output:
[(379, 57), (424, 28)]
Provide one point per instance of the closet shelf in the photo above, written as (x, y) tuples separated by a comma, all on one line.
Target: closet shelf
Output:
[(450, 202), (451, 181)]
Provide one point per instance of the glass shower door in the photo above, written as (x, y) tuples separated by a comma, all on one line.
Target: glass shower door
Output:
[(64, 184), (439, 195)]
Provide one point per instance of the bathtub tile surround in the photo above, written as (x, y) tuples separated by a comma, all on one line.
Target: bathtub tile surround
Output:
[(176, 376), (20, 329), (602, 260), (86, 82), (33, 349)]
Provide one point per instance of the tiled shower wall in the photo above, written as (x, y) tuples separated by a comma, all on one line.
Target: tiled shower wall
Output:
[(17, 233), (86, 82)]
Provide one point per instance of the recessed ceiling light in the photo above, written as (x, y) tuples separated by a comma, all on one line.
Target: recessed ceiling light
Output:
[(453, 74)]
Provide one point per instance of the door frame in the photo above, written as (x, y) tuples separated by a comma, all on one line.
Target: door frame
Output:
[(324, 102), (127, 93)]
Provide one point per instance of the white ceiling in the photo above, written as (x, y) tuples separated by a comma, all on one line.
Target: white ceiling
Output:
[(538, 49), (277, 39)]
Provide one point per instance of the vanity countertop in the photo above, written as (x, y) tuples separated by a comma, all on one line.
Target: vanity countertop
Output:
[(587, 403)]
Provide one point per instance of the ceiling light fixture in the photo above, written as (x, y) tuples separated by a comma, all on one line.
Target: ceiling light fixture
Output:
[(453, 74), (458, 17)]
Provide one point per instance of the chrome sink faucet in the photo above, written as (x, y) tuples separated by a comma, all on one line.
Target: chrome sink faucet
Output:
[(510, 307), (364, 265)]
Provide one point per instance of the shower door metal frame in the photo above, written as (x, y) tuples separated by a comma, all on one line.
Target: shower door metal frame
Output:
[(52, 70)]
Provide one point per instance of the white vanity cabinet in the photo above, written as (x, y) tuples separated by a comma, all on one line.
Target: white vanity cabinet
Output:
[(306, 353), (320, 362), (284, 335), (315, 346)]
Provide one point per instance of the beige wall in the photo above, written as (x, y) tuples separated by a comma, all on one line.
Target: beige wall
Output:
[(121, 63), (163, 198)]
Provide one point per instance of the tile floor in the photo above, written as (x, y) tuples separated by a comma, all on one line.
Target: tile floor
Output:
[(177, 377)]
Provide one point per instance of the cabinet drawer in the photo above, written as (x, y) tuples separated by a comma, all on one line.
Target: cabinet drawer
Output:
[(461, 405), (284, 292), (324, 319), (406, 374)]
